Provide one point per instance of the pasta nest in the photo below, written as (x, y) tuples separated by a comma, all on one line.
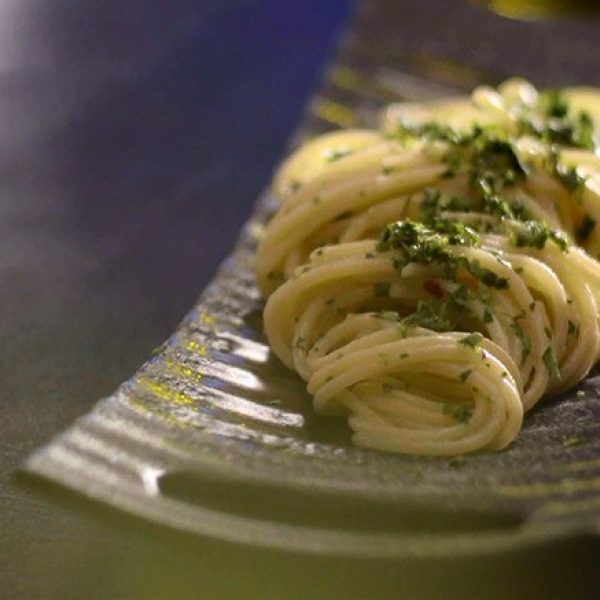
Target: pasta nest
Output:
[(435, 279)]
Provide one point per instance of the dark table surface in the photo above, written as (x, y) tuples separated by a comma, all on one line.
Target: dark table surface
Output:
[(134, 138)]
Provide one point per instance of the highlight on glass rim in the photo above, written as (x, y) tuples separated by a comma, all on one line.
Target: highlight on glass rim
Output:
[(541, 9), (435, 279)]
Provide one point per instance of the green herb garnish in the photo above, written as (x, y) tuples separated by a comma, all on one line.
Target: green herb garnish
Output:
[(554, 104), (337, 153), (421, 244), (535, 234), (525, 341), (484, 274), (430, 315), (465, 375), (473, 340), (461, 412), (549, 359), (569, 177)]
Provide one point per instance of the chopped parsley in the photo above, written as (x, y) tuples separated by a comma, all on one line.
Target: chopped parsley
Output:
[(461, 294), (569, 177), (535, 234), (554, 104), (494, 161), (525, 341), (557, 124), (418, 242), (430, 315), (465, 375), (461, 412), (584, 134), (424, 245), (337, 153), (484, 274), (473, 340), (430, 131), (458, 233), (549, 359), (486, 152)]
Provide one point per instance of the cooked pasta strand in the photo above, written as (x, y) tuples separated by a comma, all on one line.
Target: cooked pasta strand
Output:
[(435, 279)]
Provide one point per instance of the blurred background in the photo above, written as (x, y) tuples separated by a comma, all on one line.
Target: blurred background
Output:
[(134, 139)]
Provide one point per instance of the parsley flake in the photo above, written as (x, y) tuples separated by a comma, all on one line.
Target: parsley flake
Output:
[(549, 359), (473, 340), (461, 412), (465, 375)]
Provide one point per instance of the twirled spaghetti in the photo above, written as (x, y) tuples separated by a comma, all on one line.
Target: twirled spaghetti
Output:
[(435, 279)]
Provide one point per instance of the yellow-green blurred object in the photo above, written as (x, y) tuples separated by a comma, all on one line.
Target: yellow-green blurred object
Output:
[(541, 9)]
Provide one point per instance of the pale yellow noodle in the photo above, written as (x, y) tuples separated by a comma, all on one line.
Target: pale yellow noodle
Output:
[(330, 285)]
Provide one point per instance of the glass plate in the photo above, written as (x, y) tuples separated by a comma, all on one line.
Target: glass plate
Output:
[(214, 436)]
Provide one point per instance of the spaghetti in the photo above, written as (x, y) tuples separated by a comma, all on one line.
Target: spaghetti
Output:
[(435, 279)]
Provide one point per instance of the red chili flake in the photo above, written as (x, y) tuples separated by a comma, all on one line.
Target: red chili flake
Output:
[(434, 288)]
